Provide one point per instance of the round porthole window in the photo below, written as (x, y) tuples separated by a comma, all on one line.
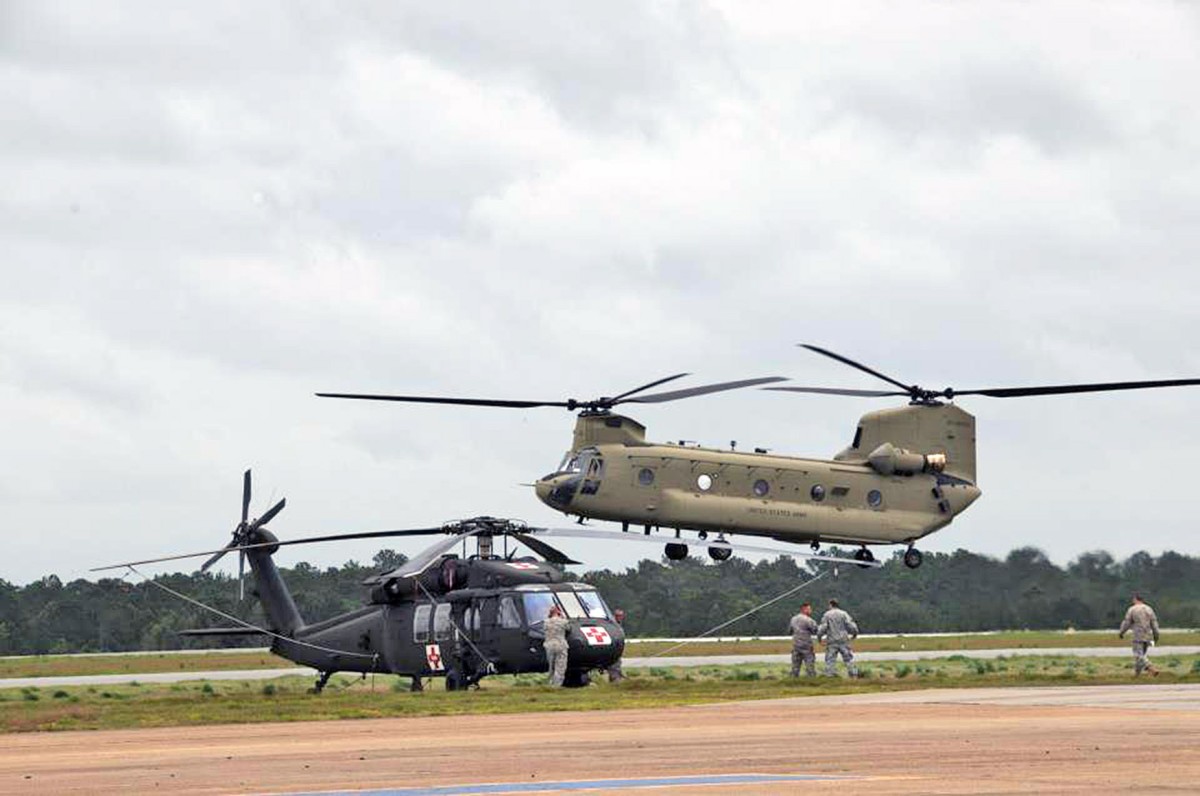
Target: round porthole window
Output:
[(645, 476), (761, 488), (704, 482), (817, 492), (875, 498)]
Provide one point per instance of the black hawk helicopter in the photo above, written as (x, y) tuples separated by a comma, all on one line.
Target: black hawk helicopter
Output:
[(439, 614)]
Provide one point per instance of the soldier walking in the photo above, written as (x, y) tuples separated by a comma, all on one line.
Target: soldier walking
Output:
[(1141, 619), (837, 630), (555, 628), (803, 627), (615, 675)]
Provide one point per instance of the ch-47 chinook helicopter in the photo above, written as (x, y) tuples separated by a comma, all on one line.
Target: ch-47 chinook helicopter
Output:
[(908, 472), (438, 614)]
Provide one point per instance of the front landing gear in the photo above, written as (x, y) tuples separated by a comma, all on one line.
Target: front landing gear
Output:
[(913, 558), (322, 679)]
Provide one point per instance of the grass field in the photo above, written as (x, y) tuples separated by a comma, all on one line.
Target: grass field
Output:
[(287, 699), (65, 665)]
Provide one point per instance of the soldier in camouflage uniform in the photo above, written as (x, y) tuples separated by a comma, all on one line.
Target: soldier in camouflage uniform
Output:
[(803, 628), (837, 629), (1141, 619), (615, 675), (555, 627)]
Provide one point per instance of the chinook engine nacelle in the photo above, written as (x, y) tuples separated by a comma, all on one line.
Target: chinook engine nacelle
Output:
[(887, 459)]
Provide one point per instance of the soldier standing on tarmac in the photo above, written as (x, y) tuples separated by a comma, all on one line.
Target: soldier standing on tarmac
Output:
[(1140, 617), (555, 628), (837, 629), (803, 627)]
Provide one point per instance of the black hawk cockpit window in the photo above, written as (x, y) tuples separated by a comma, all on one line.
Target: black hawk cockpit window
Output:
[(507, 614)]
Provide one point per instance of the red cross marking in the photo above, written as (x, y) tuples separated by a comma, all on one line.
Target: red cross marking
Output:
[(597, 636)]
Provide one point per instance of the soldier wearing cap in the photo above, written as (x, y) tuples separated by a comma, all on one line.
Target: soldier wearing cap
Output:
[(837, 630), (555, 629), (803, 628), (1141, 619)]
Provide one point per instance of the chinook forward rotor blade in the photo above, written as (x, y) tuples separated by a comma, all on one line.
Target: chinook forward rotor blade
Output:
[(307, 540), (435, 399), (571, 404), (705, 389), (703, 544)]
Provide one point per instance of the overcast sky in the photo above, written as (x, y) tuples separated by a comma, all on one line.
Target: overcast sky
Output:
[(210, 211)]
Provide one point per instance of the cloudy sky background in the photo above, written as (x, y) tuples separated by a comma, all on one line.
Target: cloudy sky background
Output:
[(210, 212)]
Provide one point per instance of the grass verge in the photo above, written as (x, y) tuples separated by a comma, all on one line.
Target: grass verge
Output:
[(287, 699)]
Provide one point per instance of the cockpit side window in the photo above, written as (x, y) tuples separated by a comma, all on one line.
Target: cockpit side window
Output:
[(507, 614), (857, 437), (593, 603), (537, 605), (569, 463)]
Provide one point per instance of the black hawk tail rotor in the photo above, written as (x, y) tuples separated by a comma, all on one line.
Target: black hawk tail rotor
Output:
[(244, 534)]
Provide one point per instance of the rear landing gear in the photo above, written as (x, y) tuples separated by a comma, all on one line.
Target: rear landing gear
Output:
[(864, 555), (676, 551), (913, 558)]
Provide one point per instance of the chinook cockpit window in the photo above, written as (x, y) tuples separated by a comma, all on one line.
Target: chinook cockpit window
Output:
[(857, 437), (569, 464)]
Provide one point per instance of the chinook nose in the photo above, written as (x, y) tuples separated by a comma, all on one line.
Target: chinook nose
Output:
[(558, 491)]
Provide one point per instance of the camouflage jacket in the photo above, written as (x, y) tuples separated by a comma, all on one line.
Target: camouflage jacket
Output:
[(1140, 617), (837, 627), (803, 629), (555, 628)]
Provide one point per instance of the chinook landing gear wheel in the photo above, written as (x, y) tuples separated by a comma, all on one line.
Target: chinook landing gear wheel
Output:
[(913, 558), (864, 555), (720, 553), (676, 551)]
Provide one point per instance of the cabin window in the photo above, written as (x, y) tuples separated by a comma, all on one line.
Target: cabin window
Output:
[(817, 492), (704, 482), (421, 623), (593, 603), (441, 622), (571, 604), (471, 621), (875, 498), (537, 605), (507, 615), (645, 476), (761, 488)]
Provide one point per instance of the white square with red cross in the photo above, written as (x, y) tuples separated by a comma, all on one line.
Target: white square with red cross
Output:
[(433, 656), (597, 636)]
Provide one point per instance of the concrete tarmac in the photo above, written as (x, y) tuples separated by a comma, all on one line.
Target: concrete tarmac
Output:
[(1081, 740)]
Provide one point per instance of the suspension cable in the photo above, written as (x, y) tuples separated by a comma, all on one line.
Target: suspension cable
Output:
[(755, 609), (230, 617)]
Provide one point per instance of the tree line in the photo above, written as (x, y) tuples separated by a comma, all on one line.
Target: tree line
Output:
[(958, 591)]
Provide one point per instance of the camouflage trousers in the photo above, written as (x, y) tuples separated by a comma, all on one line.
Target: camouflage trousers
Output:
[(806, 656), (1141, 657), (832, 650), (556, 658), (615, 675)]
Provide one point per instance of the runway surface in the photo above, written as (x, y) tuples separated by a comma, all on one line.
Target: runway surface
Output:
[(629, 663), (1062, 740)]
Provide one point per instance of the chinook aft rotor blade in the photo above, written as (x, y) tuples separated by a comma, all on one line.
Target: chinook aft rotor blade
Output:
[(1064, 389), (919, 394), (306, 540)]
